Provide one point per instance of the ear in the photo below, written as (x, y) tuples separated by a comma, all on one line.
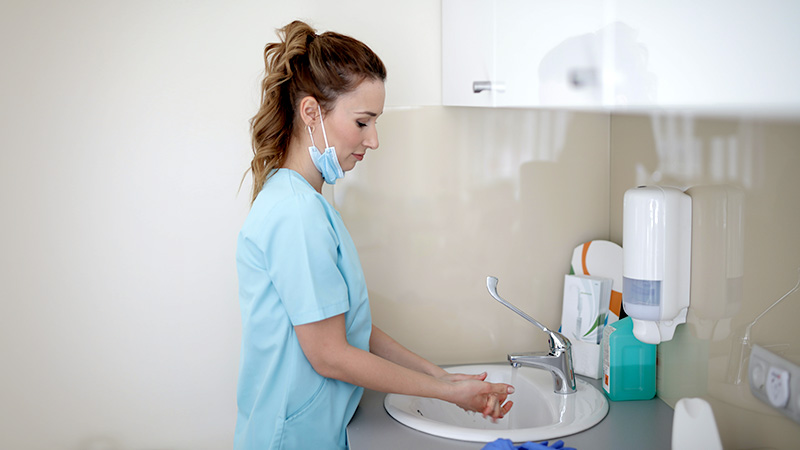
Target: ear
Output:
[(309, 110)]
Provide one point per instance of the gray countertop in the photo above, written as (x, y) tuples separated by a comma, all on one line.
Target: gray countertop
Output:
[(628, 425)]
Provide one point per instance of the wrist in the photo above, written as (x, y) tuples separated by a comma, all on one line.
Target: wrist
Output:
[(436, 371), (447, 390)]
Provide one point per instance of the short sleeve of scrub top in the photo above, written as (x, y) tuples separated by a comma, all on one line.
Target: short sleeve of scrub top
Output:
[(296, 264)]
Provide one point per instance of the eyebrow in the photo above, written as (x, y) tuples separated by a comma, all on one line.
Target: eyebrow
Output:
[(369, 113)]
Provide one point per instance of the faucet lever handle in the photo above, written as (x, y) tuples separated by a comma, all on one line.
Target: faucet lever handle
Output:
[(557, 340), (491, 284)]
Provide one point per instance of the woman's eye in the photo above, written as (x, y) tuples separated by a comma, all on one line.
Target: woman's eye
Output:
[(361, 124)]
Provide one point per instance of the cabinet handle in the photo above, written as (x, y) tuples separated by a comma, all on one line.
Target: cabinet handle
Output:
[(582, 77), (480, 86)]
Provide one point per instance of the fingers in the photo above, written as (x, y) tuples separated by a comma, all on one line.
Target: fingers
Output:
[(488, 399), (503, 389), (495, 408), (488, 409), (507, 408), (495, 403), (463, 376), (498, 411)]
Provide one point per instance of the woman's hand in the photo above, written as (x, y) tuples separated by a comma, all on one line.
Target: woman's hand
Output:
[(447, 376), (473, 394)]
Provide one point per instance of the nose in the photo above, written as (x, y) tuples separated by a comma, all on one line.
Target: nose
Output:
[(371, 139)]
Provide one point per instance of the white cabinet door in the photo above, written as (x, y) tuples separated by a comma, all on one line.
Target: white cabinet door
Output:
[(550, 52), (468, 33), (521, 52), (710, 54)]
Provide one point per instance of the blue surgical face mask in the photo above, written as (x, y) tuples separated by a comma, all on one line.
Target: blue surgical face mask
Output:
[(326, 162)]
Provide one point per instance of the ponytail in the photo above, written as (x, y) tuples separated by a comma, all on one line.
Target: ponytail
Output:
[(303, 64)]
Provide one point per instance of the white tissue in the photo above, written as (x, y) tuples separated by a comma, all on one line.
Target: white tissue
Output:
[(583, 317)]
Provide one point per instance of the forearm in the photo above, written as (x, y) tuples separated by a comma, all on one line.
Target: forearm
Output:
[(373, 372), (381, 344), (363, 368), (325, 345)]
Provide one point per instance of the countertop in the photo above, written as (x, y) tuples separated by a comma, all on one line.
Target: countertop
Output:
[(645, 424)]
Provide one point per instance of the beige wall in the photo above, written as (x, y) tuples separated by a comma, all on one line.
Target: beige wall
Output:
[(456, 194), (754, 163)]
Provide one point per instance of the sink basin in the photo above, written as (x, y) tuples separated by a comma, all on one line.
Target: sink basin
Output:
[(538, 413)]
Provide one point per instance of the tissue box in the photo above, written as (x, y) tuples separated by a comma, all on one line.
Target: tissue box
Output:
[(583, 316)]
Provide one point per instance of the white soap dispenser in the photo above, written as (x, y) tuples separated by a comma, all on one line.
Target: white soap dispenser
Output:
[(656, 263)]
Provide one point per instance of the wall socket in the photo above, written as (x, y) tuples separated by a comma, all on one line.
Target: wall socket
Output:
[(775, 381)]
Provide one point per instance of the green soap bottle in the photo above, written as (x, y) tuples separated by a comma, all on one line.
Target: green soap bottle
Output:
[(629, 366)]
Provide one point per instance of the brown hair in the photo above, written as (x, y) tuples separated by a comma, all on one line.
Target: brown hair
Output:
[(303, 64)]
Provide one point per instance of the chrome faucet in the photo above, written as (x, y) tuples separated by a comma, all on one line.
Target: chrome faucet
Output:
[(558, 360)]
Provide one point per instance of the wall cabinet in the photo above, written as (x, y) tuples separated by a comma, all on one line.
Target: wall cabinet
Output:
[(725, 55), (513, 52)]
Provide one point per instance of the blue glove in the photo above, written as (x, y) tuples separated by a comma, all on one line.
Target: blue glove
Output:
[(559, 444), (505, 444), (500, 444)]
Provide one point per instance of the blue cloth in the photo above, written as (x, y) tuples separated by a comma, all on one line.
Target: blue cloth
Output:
[(505, 444), (296, 265)]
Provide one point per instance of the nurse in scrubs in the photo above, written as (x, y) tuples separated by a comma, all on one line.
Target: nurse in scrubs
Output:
[(309, 347)]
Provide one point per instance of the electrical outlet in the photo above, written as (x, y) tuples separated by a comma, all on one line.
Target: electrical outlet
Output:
[(775, 381)]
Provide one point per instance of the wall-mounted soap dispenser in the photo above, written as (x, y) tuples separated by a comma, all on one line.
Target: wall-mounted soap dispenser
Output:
[(656, 263)]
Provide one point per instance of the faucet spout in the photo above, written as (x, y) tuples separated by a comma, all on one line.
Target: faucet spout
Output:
[(559, 365)]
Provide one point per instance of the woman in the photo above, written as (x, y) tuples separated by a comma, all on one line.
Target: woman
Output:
[(308, 343)]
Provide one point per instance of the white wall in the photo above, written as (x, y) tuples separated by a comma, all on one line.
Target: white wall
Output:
[(123, 137)]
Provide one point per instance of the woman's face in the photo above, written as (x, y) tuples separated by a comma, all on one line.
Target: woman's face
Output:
[(351, 123)]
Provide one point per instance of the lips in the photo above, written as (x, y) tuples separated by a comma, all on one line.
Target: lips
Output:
[(358, 156)]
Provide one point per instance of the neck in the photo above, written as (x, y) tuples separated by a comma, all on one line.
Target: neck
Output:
[(298, 159)]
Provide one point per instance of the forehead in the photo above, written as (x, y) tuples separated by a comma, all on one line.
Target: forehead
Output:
[(367, 97)]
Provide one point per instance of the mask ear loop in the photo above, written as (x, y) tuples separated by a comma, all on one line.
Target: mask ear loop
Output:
[(325, 136), (308, 127)]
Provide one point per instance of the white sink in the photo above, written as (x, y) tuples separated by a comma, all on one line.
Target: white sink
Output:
[(538, 413)]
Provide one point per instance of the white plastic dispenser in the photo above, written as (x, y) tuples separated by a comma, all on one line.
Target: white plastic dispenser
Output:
[(656, 261)]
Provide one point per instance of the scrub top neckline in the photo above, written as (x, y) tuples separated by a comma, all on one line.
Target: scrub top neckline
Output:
[(295, 174)]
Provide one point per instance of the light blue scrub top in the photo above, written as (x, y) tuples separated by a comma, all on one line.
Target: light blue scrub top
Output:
[(296, 264)]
